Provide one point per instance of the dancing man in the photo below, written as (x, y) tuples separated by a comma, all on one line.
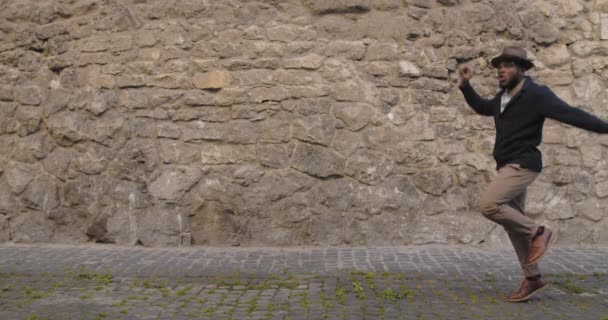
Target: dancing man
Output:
[(519, 110)]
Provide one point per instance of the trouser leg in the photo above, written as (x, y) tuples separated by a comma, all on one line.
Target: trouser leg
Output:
[(521, 244)]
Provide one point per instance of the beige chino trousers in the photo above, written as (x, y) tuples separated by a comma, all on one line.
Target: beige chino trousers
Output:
[(504, 201)]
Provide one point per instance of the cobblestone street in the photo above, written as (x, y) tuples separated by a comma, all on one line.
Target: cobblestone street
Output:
[(430, 282)]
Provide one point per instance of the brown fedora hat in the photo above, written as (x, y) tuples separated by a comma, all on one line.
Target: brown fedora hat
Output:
[(515, 54)]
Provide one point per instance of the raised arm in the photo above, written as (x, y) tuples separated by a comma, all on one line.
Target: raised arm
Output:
[(551, 106), (480, 105)]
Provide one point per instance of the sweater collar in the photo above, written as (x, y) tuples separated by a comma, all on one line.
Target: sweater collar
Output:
[(517, 88)]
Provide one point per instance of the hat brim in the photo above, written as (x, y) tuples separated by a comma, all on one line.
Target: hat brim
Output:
[(526, 64)]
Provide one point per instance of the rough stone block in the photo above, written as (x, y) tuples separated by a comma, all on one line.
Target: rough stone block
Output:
[(28, 95), (173, 183), (6, 93), (387, 5), (212, 80), (604, 26), (317, 161)]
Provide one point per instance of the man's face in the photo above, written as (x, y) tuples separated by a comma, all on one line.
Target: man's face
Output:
[(509, 74)]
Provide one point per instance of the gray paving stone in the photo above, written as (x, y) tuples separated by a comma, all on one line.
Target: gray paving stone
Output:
[(431, 282)]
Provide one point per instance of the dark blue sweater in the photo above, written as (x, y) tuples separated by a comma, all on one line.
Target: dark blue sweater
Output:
[(519, 128)]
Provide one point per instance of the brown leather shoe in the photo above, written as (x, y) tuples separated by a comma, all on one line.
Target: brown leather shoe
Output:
[(527, 290), (539, 245)]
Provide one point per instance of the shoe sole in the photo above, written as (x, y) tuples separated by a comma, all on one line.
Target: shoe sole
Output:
[(551, 239), (526, 298)]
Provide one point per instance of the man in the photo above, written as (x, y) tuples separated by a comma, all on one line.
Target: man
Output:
[(519, 110)]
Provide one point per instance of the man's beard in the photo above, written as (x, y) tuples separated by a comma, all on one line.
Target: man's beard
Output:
[(512, 83)]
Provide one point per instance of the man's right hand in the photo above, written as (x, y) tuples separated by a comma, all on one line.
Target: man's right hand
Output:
[(466, 74)]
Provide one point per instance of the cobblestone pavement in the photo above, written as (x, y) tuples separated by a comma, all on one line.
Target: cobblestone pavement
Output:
[(429, 282)]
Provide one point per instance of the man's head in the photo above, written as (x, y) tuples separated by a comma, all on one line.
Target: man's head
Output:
[(510, 73), (511, 66)]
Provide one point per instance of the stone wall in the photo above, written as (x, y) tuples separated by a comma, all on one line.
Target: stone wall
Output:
[(284, 122)]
